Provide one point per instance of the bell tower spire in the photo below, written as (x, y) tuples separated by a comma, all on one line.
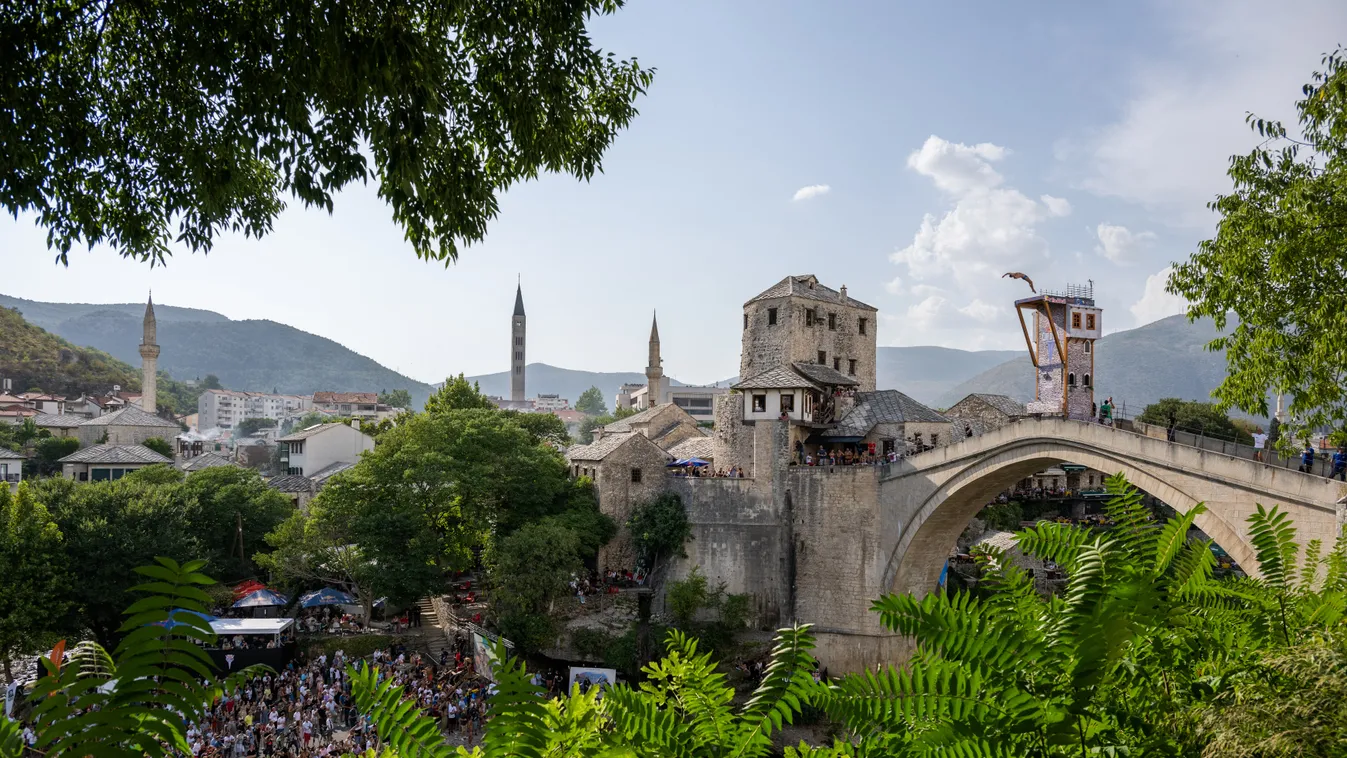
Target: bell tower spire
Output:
[(517, 334), (149, 359), (654, 373)]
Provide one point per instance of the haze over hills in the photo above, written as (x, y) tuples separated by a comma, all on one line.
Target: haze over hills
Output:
[(1167, 358), (1163, 359)]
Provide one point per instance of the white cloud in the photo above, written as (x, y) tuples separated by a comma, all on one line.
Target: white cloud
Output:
[(1155, 303), (956, 167), (1119, 244), (1057, 206), (926, 290), (980, 310), (927, 313), (895, 285), (1170, 148), (813, 190)]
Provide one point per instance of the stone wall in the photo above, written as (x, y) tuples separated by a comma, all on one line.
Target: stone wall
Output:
[(1050, 374), (1080, 399), (975, 409), (732, 440), (791, 341), (618, 494)]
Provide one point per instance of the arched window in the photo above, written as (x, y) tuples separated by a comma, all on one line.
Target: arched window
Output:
[(1085, 380), (1071, 379)]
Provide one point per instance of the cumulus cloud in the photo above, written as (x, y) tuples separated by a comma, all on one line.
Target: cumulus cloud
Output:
[(813, 190), (980, 310), (928, 312), (1057, 206), (895, 285), (1155, 303), (1119, 244), (1184, 118)]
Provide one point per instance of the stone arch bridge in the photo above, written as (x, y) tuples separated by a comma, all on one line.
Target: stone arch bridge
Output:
[(818, 545)]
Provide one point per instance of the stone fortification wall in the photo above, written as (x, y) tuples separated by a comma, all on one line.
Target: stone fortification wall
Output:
[(732, 440)]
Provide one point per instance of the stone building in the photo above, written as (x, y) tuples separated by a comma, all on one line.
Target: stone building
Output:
[(798, 320), (665, 425), (517, 335), (980, 412), (1061, 348), (108, 462), (627, 467), (129, 426)]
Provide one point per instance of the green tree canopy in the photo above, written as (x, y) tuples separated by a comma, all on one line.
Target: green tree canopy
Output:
[(47, 452), (532, 567), (140, 125), (230, 510), (591, 402), (544, 427), (211, 382), (34, 577), (458, 394), (1198, 418), (253, 425), (160, 446), (659, 528), (397, 399), (1278, 257)]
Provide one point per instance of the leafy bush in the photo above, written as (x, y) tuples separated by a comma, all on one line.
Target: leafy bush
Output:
[(1003, 517), (659, 527)]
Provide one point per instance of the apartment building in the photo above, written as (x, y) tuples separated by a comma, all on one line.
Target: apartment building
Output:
[(225, 409)]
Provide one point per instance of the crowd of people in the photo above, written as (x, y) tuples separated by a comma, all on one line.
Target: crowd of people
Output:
[(706, 471), (330, 620), (865, 455)]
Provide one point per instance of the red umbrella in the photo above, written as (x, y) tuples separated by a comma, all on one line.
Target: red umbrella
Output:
[(247, 587)]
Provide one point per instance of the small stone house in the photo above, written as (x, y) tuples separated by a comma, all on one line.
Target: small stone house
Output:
[(627, 468), (890, 420), (665, 425), (59, 424), (979, 413), (128, 426), (108, 462)]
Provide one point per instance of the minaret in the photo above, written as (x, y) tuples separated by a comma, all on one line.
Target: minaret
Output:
[(654, 373), (517, 349), (149, 360)]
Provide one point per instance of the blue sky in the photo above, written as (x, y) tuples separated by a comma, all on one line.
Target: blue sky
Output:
[(956, 141)]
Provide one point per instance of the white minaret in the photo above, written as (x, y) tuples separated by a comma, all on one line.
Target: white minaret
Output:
[(517, 348), (149, 360), (654, 373)]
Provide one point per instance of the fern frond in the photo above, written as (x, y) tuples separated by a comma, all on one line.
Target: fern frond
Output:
[(1313, 559), (955, 627), (1274, 539), (641, 721), (785, 689), (518, 715), (1335, 577), (1049, 540), (1173, 537), (1132, 526), (410, 733), (1192, 568)]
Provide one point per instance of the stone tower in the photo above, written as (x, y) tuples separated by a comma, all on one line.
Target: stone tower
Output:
[(1061, 347), (654, 373), (517, 348), (149, 360), (799, 320)]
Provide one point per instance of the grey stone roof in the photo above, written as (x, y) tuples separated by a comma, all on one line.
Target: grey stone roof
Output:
[(693, 447), (58, 420), (205, 461), (597, 451), (780, 377), (320, 476), (309, 432), (625, 424), (291, 483), (131, 416), (8, 454), (1007, 405), (820, 374), (882, 407), (798, 286), (115, 454)]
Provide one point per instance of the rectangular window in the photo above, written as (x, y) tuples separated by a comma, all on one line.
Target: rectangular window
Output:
[(1089, 321), (832, 322), (745, 320), (788, 402), (851, 367), (519, 356), (519, 369), (1075, 320), (860, 326), (823, 357), (837, 364), (935, 440), (635, 476), (808, 316), (759, 403), (771, 317)]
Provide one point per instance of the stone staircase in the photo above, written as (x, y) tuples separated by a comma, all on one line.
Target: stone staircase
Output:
[(434, 637)]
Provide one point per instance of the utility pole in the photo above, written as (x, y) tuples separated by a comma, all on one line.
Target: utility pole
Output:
[(242, 557)]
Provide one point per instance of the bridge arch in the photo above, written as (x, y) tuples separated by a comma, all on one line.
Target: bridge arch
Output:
[(933, 496)]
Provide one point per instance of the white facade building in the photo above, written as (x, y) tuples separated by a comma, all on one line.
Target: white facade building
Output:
[(549, 403), (225, 409), (309, 451)]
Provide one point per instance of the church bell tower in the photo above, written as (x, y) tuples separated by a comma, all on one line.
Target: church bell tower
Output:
[(517, 348)]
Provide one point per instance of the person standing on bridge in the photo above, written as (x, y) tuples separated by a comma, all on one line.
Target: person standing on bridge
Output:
[(1340, 464), (1307, 458), (1259, 442), (1106, 412)]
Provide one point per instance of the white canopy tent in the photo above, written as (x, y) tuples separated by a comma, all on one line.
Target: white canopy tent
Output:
[(230, 627)]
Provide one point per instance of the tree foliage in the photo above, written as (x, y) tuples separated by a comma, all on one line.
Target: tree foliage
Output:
[(48, 452), (250, 426), (34, 578), (591, 402), (458, 394), (160, 446), (1278, 255), (137, 126), (397, 399), (1198, 418), (659, 528)]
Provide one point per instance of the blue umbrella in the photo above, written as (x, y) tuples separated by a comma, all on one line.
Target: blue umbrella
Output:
[(697, 462), (325, 596), (261, 599), (177, 613)]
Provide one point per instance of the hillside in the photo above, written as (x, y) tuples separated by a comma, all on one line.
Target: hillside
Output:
[(927, 373), (248, 355), (1167, 358)]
